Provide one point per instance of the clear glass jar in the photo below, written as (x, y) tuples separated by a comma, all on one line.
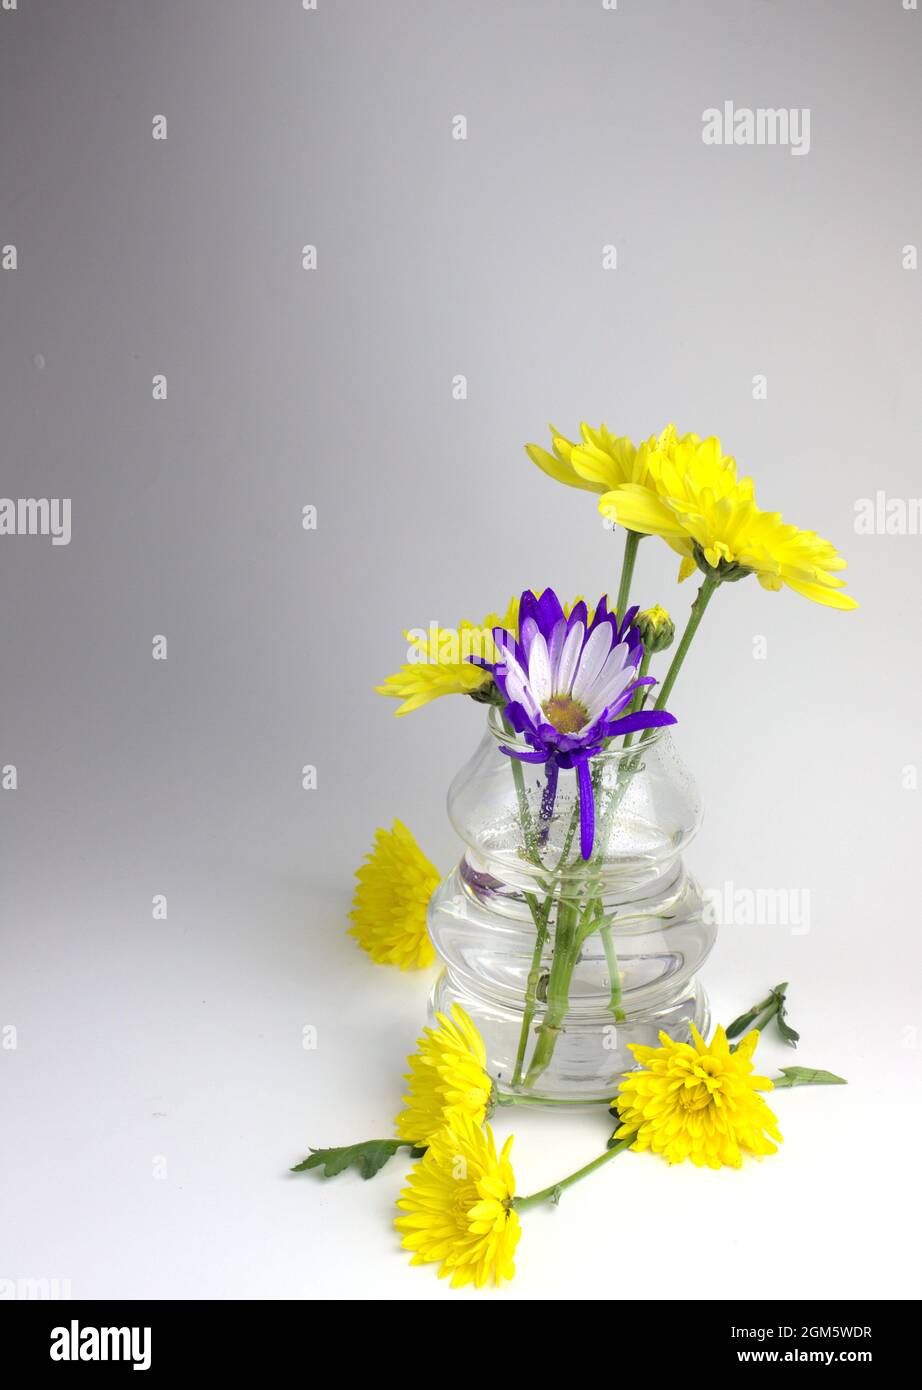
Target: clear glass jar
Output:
[(562, 962)]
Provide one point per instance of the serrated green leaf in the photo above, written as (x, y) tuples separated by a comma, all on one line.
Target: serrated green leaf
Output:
[(369, 1157), (807, 1076), (788, 1034)]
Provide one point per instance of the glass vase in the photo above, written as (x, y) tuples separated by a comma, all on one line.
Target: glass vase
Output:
[(561, 961)]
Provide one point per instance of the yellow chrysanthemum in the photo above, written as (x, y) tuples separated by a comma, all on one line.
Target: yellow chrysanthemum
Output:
[(601, 462), (389, 908), (698, 1102), (456, 1206), (448, 1071), (441, 666), (694, 500)]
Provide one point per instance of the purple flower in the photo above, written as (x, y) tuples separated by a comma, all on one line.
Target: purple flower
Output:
[(565, 683)]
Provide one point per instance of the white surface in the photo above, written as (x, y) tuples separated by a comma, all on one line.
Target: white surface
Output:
[(198, 1060)]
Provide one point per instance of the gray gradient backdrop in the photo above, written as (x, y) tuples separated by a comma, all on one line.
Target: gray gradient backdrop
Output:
[(176, 1044)]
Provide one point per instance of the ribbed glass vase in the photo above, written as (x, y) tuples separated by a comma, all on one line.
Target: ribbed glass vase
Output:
[(560, 961)]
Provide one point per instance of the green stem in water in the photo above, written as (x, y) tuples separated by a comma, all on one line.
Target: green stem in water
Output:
[(632, 540), (552, 1193), (566, 949), (614, 973), (518, 778), (708, 585), (531, 988), (539, 914), (540, 918)]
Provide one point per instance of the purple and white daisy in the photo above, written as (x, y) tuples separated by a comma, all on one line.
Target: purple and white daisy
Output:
[(566, 683)]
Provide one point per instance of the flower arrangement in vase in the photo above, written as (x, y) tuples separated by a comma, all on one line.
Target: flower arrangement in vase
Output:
[(570, 934)]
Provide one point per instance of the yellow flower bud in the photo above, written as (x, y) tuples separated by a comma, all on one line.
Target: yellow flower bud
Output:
[(656, 628)]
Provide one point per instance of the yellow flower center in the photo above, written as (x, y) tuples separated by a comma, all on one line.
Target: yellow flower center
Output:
[(566, 714), (706, 1077), (464, 1198)]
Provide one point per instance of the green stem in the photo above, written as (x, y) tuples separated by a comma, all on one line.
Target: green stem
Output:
[(534, 973), (539, 915), (552, 1193), (566, 948), (614, 973), (625, 771), (518, 778), (640, 695), (772, 1003), (631, 541), (708, 585), (531, 989)]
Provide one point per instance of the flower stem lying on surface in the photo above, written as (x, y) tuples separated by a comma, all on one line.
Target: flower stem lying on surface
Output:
[(767, 1006), (761, 1014), (553, 1193)]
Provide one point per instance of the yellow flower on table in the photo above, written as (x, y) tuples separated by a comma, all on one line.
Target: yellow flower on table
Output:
[(456, 1207), (447, 1072), (697, 1101), (391, 897)]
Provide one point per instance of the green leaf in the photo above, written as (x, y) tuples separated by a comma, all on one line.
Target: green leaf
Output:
[(788, 1034), (807, 1076), (369, 1157)]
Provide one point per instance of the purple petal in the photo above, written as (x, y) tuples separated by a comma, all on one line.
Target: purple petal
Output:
[(517, 715), (578, 614), (550, 611), (586, 809), (505, 641), (528, 608), (627, 621), (640, 719), (550, 791), (523, 757)]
